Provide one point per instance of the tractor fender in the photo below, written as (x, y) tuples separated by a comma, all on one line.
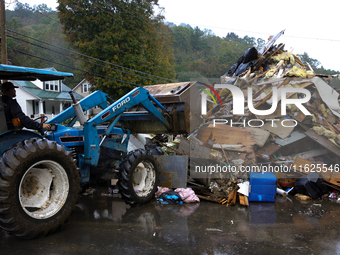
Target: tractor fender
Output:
[(12, 137)]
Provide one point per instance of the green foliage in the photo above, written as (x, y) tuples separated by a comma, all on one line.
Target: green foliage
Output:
[(322, 70), (204, 54), (126, 33), (305, 58), (314, 63), (40, 23)]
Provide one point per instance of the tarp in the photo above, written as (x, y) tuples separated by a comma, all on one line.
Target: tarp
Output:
[(310, 185)]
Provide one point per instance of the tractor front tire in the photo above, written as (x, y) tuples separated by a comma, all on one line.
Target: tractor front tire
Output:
[(138, 177), (39, 188)]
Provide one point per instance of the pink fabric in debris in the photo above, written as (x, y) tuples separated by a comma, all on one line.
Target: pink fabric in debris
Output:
[(160, 191), (187, 195)]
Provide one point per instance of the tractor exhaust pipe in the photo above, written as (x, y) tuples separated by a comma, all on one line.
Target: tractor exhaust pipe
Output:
[(78, 110)]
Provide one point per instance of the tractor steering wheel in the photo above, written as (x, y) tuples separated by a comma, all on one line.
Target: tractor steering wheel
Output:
[(43, 119)]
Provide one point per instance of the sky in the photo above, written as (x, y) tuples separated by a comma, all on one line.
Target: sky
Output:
[(310, 26)]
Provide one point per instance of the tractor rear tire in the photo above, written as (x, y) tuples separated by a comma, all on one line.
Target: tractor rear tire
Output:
[(39, 188), (138, 177)]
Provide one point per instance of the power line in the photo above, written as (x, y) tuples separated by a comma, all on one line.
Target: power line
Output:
[(75, 52), (172, 80), (82, 59)]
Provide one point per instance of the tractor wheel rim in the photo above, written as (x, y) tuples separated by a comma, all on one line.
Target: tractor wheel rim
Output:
[(43, 189), (144, 179)]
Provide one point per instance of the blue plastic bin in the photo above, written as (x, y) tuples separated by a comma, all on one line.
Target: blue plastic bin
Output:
[(262, 187)]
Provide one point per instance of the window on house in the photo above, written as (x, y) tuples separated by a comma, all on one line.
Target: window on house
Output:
[(52, 85), (86, 87), (66, 105)]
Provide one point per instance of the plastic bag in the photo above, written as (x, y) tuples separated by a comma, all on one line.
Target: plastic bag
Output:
[(170, 198)]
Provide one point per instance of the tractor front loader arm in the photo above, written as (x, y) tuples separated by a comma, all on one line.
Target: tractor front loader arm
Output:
[(97, 98), (92, 142)]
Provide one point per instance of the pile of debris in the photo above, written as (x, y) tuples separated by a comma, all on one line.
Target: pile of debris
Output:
[(290, 125)]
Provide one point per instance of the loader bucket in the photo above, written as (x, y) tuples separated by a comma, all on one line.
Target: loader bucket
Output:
[(182, 114)]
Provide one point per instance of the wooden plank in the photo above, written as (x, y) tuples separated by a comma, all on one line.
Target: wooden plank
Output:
[(299, 116), (271, 81), (268, 149), (302, 165), (278, 66), (208, 198), (334, 180), (332, 185), (260, 91), (332, 175), (193, 149), (260, 135), (306, 167), (224, 134), (312, 153), (294, 136), (261, 74), (305, 84), (323, 142), (225, 155), (277, 129), (310, 67)]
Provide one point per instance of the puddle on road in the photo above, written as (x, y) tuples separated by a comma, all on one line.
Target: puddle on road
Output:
[(103, 223)]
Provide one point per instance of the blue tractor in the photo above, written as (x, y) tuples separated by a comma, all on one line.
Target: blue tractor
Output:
[(40, 176)]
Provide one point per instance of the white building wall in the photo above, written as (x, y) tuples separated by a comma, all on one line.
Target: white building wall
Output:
[(38, 84), (78, 89), (23, 97), (29, 108)]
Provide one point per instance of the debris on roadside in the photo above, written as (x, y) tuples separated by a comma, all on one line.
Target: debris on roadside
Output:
[(170, 197), (290, 128), (176, 196), (310, 185), (88, 191)]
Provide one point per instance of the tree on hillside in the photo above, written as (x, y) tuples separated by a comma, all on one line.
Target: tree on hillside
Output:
[(31, 32), (305, 58), (195, 52), (315, 64), (126, 36), (232, 37), (198, 40)]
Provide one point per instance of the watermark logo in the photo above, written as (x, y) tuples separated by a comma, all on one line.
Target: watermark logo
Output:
[(239, 100), (208, 93)]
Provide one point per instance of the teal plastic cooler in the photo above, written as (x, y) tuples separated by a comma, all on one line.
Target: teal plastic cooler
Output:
[(262, 187)]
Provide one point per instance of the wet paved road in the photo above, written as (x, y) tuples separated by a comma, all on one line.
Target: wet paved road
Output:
[(105, 225)]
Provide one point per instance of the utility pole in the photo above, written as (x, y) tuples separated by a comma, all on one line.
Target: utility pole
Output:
[(3, 33)]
